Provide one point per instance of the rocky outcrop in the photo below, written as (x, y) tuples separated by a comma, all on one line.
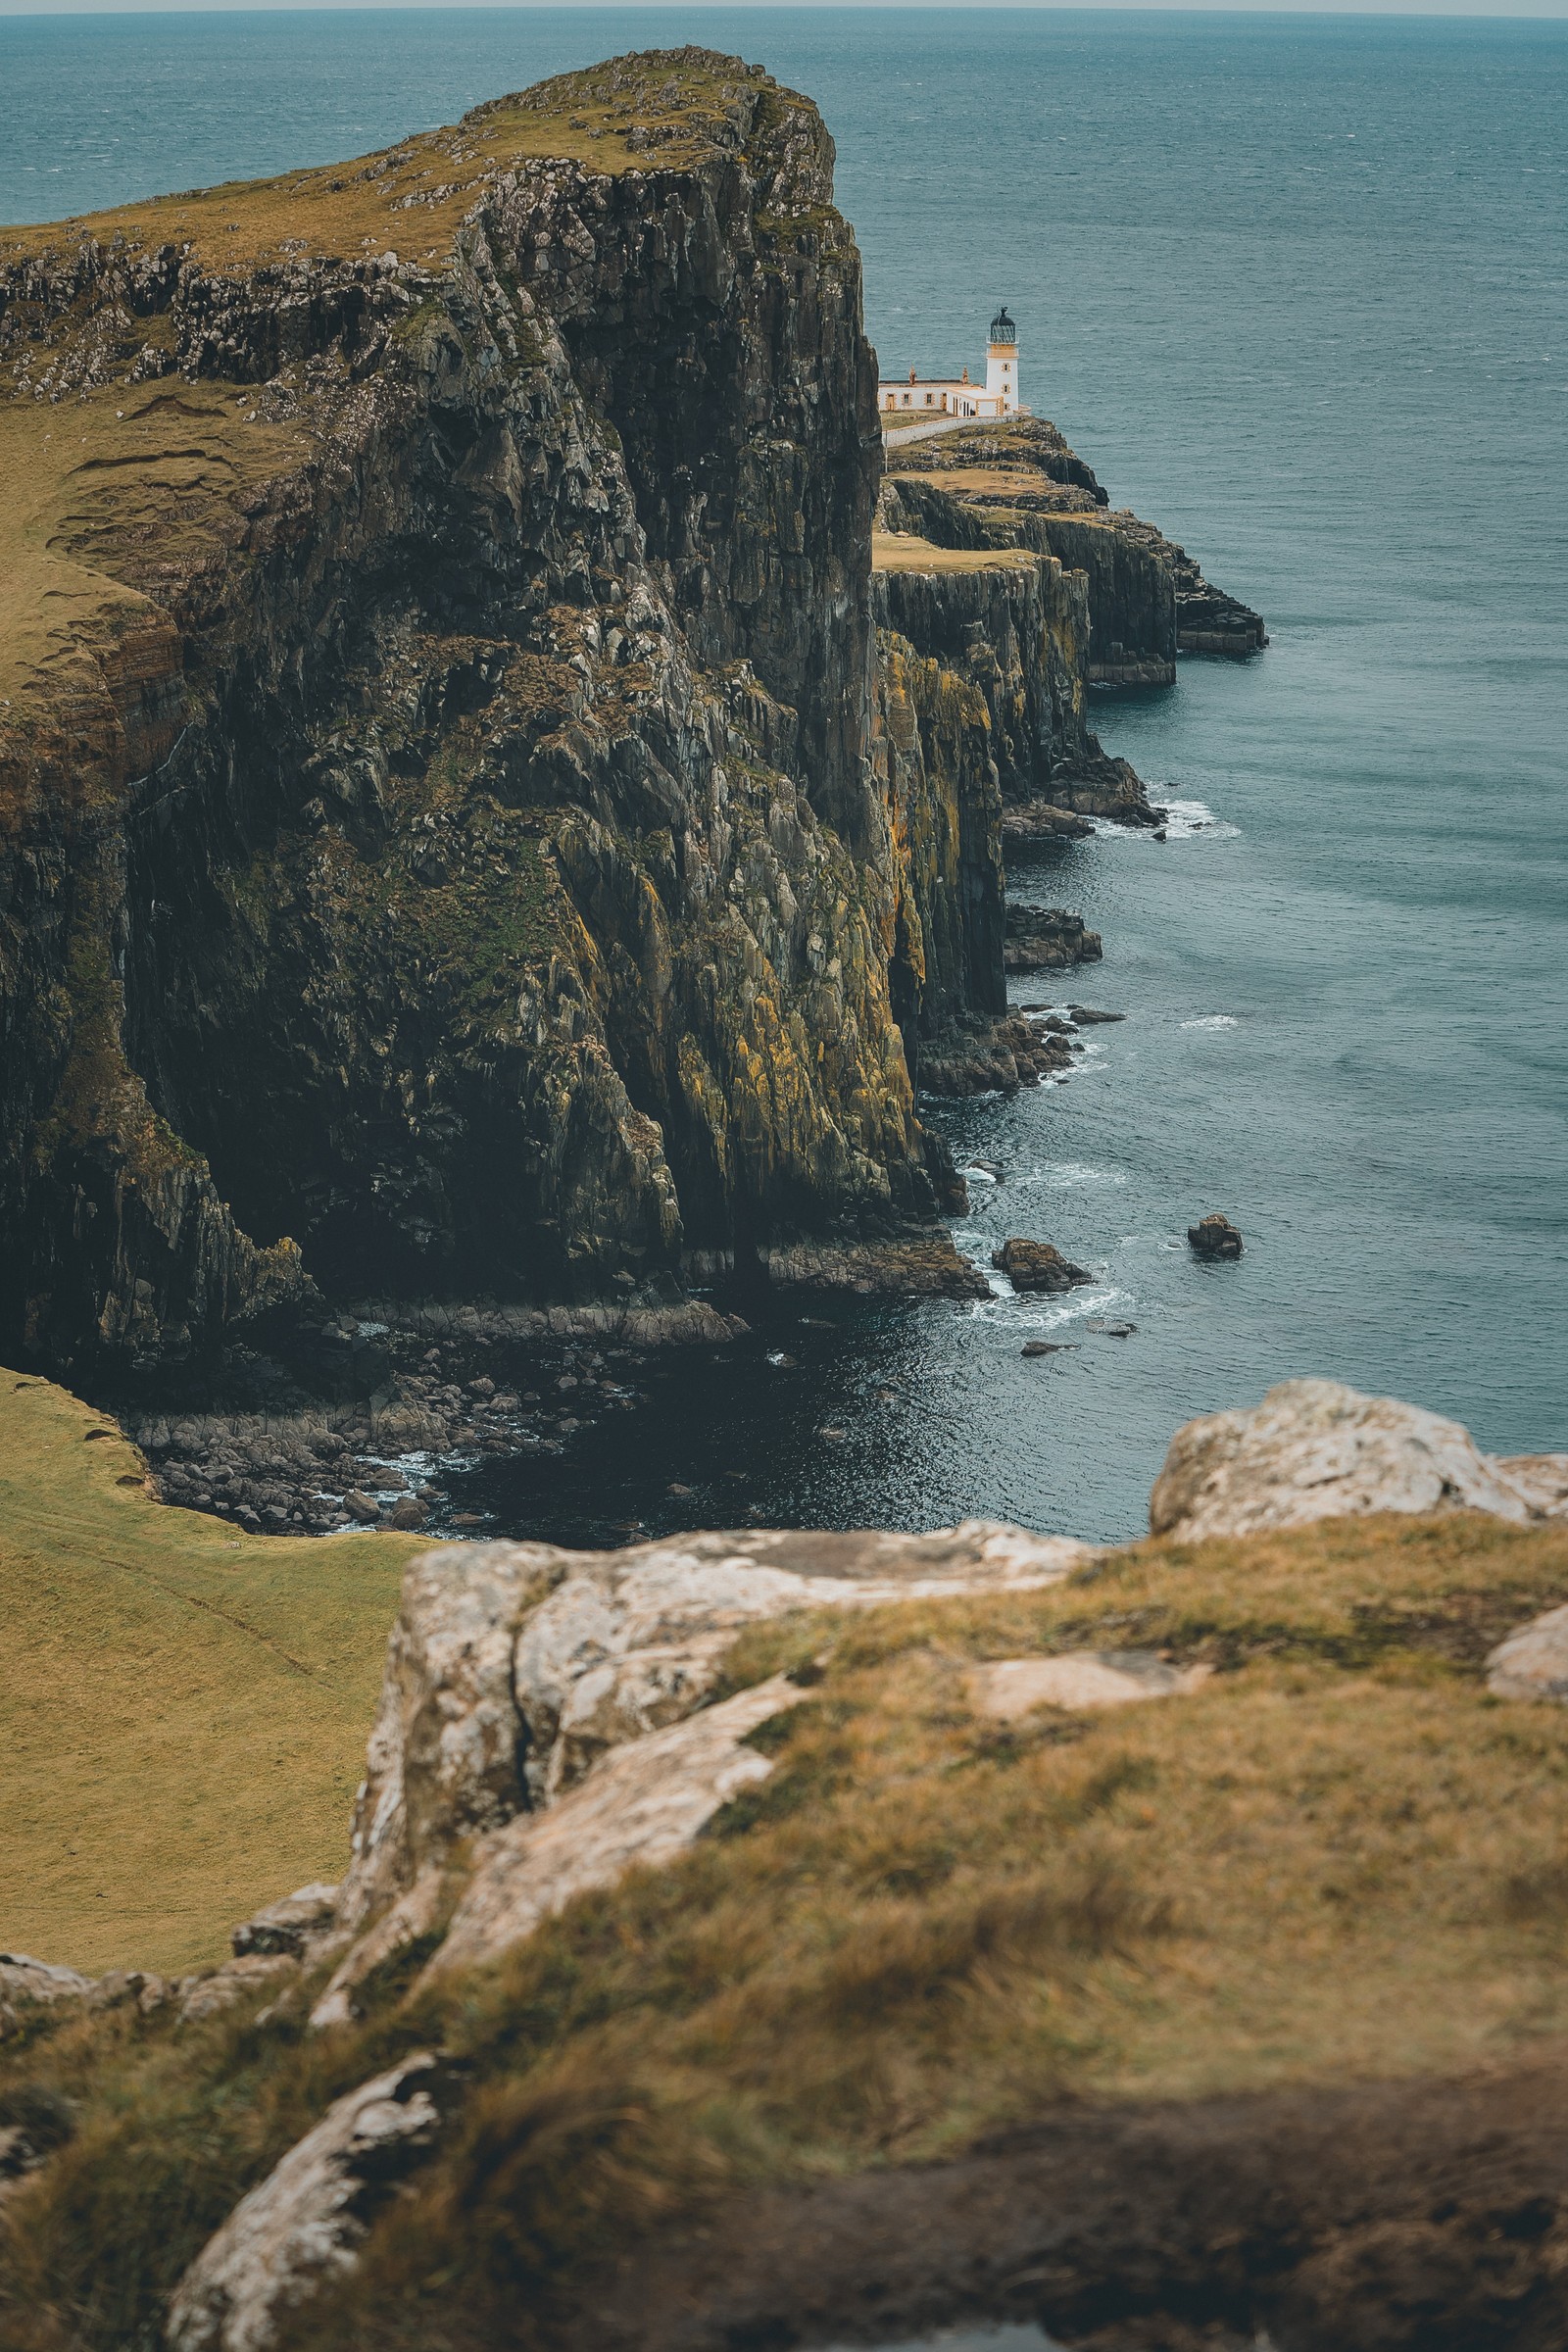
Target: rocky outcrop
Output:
[(440, 843), (519, 1675), (1017, 484), (1313, 1450), (1214, 1236), (301, 2226), (1038, 1267), (27, 1983), (1046, 938)]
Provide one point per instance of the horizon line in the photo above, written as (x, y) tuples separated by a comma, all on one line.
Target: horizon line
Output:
[(1418, 11)]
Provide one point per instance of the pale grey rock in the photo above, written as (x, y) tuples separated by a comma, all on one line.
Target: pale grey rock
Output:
[(24, 1980), (413, 1914), (1313, 1450), (638, 1806), (513, 1667), (1532, 1663), (21, 1978), (1079, 1680), (207, 1994), (290, 1925), (122, 1987), (303, 2225), (1542, 1479)]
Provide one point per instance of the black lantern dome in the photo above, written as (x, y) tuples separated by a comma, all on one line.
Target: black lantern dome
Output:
[(1002, 329)]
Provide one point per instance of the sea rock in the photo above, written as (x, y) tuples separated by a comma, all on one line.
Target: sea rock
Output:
[(1045, 938), (1214, 1236), (1532, 1663), (1037, 1266), (1077, 1679), (1087, 1018), (303, 2224), (1313, 1450), (1042, 820)]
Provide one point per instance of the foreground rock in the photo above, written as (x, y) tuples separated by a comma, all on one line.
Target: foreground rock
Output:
[(301, 2226), (1214, 1236), (1313, 1450), (641, 1805), (1532, 1663), (1080, 1680), (25, 1983), (1037, 1266)]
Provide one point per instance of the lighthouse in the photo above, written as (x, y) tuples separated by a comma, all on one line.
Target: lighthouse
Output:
[(1002, 363), (930, 398)]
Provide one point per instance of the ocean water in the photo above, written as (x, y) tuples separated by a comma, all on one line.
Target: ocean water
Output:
[(1298, 288)]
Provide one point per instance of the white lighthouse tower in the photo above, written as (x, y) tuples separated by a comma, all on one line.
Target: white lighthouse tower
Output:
[(1002, 363)]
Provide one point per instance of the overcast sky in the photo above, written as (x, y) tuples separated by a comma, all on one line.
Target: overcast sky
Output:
[(1354, 8)]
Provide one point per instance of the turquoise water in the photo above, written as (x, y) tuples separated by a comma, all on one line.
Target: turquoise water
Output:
[(1298, 288)]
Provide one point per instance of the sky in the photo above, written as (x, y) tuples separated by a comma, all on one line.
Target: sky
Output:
[(1352, 7)]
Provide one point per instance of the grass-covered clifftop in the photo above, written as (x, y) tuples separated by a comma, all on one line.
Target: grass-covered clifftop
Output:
[(1338, 1862), (183, 1706)]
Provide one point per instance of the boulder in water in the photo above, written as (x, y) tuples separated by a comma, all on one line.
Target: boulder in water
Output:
[(1037, 1266), (1214, 1236)]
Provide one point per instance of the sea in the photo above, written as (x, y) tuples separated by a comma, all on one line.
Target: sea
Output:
[(1297, 286)]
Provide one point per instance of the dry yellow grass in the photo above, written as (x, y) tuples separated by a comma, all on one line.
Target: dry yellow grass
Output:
[(102, 491), (901, 551), (183, 1707), (348, 209)]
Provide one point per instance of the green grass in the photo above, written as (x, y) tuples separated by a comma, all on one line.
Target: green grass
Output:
[(1341, 1858), (185, 1706)]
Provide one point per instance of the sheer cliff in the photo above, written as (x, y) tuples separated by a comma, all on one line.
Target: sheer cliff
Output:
[(439, 842)]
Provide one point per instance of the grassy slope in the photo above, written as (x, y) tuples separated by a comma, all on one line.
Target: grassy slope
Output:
[(1343, 1858), (183, 1707), (901, 551)]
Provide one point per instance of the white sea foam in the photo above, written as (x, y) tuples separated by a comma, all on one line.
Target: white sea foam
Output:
[(1184, 820), (1214, 1020), (1031, 1312)]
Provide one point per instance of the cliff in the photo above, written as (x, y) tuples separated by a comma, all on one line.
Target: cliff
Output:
[(1017, 484), (438, 848)]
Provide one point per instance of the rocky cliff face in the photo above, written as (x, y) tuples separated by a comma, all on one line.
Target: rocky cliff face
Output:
[(1019, 485), (439, 846)]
